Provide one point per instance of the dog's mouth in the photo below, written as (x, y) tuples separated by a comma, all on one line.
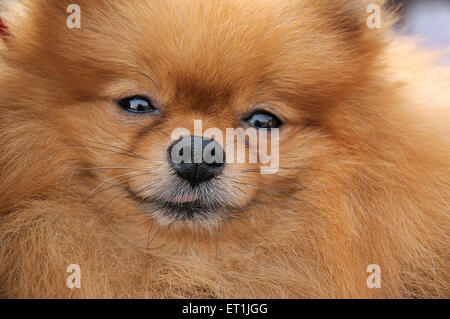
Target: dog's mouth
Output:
[(177, 202), (188, 210), (186, 199), (173, 211), (181, 208)]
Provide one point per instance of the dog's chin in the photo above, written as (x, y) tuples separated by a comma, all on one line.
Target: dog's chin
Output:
[(185, 212)]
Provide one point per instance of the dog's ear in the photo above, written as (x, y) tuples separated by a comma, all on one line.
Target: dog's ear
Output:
[(352, 16), (362, 23), (4, 33), (10, 10)]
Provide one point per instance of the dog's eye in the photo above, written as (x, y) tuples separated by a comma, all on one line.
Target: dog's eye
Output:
[(262, 119), (137, 104)]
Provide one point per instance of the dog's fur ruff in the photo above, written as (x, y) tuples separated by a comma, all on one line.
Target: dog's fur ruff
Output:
[(364, 154)]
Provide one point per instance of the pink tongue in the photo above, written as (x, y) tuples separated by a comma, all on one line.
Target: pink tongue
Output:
[(184, 199)]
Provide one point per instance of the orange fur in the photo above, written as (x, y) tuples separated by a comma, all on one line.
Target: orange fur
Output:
[(364, 152)]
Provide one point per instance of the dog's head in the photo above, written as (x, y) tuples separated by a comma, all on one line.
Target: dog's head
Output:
[(193, 111)]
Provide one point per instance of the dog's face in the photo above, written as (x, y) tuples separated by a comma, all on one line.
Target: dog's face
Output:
[(115, 151), (120, 88)]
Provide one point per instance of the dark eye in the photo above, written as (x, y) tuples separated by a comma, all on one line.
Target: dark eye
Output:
[(262, 119), (137, 104)]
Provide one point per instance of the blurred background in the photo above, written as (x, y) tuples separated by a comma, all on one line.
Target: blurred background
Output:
[(428, 19)]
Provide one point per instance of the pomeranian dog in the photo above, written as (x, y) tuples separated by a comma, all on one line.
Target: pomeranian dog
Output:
[(94, 204)]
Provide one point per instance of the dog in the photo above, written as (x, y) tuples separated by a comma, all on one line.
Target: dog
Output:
[(95, 204)]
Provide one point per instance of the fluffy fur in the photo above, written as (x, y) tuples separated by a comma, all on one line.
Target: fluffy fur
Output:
[(364, 152)]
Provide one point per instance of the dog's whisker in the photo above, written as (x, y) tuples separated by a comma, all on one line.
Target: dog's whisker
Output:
[(121, 149), (133, 174), (103, 149), (99, 169), (150, 128), (106, 189), (144, 75), (115, 135)]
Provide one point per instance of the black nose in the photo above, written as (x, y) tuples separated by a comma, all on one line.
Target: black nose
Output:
[(197, 159)]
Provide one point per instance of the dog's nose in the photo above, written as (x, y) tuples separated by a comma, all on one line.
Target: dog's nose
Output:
[(197, 159)]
